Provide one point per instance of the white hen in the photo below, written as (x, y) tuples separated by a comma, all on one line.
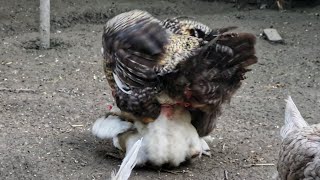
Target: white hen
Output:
[(170, 140)]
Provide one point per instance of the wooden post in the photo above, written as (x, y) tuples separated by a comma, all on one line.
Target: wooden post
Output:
[(45, 24)]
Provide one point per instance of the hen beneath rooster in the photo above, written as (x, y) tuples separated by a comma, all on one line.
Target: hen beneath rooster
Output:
[(169, 141), (299, 156), (169, 79)]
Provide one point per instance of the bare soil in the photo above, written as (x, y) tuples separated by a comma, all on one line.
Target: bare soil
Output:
[(44, 93)]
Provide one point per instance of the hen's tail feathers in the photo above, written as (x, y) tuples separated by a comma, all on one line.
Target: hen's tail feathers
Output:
[(293, 119), (109, 127), (128, 163)]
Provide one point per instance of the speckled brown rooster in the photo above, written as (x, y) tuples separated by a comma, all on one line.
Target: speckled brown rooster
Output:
[(299, 157), (153, 65)]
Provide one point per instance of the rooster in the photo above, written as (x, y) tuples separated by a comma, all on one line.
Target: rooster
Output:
[(299, 156), (152, 66)]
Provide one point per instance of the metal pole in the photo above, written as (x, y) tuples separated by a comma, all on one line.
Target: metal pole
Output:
[(45, 24)]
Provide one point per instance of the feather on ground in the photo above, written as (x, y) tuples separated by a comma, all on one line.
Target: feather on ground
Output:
[(128, 163)]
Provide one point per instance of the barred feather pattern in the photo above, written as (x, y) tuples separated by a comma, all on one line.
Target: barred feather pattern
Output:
[(140, 51), (299, 156), (128, 51), (213, 76), (223, 68), (142, 103), (175, 56), (131, 55)]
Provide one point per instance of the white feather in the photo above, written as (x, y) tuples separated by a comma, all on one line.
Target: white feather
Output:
[(102, 51), (170, 140), (204, 145), (293, 119), (109, 127), (121, 85), (128, 162), (142, 155), (116, 143)]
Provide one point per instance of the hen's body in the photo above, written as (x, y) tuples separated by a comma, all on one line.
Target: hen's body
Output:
[(168, 141), (181, 58), (299, 157)]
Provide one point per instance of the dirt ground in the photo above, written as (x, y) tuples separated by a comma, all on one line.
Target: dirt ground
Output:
[(50, 98)]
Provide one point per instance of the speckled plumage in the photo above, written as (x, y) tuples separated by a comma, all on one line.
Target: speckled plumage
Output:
[(190, 27), (213, 76), (299, 157), (180, 57), (139, 50)]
